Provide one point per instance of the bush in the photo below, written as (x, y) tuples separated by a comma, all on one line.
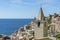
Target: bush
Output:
[(28, 27)]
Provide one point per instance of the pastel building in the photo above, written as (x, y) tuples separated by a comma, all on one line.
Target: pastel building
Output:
[(55, 23)]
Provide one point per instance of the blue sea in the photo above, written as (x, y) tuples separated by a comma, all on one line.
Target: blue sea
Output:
[(8, 26)]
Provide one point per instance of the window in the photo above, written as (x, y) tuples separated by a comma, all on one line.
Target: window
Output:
[(38, 24)]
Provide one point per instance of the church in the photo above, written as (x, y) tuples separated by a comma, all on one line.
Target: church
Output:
[(40, 26)]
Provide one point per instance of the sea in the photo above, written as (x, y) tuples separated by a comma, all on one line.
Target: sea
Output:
[(9, 26)]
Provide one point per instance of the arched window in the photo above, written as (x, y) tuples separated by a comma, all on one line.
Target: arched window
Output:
[(38, 24)]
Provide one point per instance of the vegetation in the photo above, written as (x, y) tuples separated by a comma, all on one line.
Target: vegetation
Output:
[(1, 36), (28, 27), (22, 29), (49, 21), (45, 39), (57, 36)]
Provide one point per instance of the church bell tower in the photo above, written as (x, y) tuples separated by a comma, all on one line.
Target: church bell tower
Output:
[(41, 15), (39, 25)]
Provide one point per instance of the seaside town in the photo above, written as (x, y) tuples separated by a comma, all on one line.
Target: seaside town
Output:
[(42, 28)]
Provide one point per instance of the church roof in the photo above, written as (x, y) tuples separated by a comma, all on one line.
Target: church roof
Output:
[(41, 15)]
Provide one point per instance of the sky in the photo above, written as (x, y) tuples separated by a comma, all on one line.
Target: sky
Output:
[(27, 8)]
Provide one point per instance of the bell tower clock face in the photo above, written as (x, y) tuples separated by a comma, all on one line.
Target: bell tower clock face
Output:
[(38, 24)]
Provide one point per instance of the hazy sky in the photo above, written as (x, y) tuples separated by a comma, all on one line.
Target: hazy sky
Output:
[(27, 8)]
